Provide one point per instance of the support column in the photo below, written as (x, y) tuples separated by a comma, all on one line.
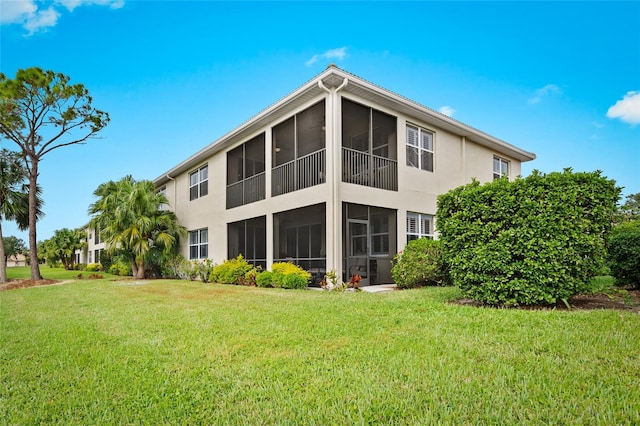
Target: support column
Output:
[(268, 161), (333, 127)]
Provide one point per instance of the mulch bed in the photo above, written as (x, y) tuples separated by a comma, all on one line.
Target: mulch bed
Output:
[(625, 300), (15, 283)]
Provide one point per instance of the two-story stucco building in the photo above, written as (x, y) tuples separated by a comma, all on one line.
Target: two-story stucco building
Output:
[(339, 175), (93, 249)]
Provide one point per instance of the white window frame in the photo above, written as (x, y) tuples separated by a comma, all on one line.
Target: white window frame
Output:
[(163, 191), (199, 239), (199, 180), (419, 225), (422, 143), (500, 167)]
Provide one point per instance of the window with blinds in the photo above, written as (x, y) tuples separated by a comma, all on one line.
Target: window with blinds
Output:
[(419, 148), (500, 168), (419, 225)]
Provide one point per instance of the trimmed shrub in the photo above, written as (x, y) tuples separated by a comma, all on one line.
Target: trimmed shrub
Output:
[(624, 253), (535, 240), (420, 264), (121, 268), (230, 271), (294, 281), (281, 270), (94, 267), (284, 275), (264, 279)]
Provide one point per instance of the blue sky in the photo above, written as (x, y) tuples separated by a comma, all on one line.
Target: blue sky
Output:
[(560, 79)]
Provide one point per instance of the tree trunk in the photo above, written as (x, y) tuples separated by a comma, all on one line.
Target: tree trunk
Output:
[(3, 259), (33, 241), (140, 270), (134, 269)]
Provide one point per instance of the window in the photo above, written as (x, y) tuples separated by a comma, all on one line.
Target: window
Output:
[(419, 225), (199, 244), (500, 168), (163, 191), (199, 183), (97, 239), (419, 148)]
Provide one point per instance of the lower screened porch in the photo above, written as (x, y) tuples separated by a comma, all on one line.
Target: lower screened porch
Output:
[(367, 243)]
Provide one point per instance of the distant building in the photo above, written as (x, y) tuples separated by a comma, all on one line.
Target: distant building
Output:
[(93, 250), (16, 260)]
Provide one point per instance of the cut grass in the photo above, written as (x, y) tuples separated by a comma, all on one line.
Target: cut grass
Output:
[(175, 352)]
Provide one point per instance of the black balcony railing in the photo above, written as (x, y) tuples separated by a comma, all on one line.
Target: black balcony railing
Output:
[(362, 168), (300, 173)]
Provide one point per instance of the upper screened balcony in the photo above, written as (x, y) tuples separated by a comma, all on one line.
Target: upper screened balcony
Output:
[(299, 158), (369, 147), (245, 173)]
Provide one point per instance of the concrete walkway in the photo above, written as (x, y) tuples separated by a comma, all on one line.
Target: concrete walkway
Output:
[(379, 287)]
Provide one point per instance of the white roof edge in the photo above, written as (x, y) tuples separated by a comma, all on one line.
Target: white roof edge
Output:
[(442, 121), (212, 147)]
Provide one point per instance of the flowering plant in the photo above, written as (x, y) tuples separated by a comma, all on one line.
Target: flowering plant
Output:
[(354, 281)]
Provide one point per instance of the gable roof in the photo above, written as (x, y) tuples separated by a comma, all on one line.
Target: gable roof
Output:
[(334, 77)]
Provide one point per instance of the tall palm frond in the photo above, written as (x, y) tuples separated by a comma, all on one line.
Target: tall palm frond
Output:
[(128, 216)]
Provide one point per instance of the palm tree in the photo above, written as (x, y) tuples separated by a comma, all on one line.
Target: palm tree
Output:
[(14, 198), (130, 221)]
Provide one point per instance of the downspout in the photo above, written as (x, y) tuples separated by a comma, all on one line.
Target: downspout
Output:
[(334, 189), (463, 162)]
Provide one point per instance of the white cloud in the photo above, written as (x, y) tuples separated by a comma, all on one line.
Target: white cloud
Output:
[(338, 54), (72, 4), (14, 11), (627, 109), (548, 90), (447, 110), (32, 15), (41, 20)]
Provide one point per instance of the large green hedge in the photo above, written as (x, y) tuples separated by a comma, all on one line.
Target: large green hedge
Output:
[(534, 240), (624, 253)]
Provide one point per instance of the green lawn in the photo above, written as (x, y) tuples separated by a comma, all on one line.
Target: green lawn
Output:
[(175, 352)]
